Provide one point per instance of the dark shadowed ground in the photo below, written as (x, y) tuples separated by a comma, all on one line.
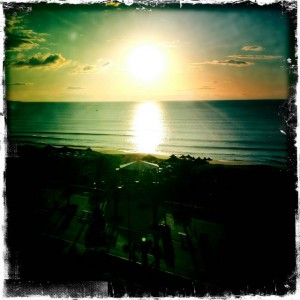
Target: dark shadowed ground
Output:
[(189, 228)]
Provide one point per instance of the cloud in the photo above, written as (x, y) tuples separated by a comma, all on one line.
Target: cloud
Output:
[(195, 65), (84, 69), (105, 64), (101, 65), (252, 48), (112, 3), (255, 56), (75, 88), (205, 88), (236, 60), (46, 61), (171, 44), (18, 38), (230, 62), (20, 83)]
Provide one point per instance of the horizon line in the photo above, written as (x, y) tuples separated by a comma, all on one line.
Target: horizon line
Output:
[(149, 100)]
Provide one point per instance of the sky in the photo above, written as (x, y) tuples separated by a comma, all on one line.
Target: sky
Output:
[(112, 52)]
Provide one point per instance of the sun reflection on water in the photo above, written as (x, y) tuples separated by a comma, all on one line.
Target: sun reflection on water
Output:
[(148, 129)]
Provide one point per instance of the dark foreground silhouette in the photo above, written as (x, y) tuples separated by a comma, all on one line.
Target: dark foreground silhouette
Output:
[(211, 229)]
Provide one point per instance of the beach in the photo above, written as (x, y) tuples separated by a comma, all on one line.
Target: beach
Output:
[(192, 225)]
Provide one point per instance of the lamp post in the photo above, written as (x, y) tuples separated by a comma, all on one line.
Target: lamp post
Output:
[(129, 185), (129, 223)]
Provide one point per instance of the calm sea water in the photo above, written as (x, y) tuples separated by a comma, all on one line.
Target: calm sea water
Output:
[(224, 130)]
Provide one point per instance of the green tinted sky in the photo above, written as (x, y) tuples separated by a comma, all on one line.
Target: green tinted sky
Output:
[(88, 52)]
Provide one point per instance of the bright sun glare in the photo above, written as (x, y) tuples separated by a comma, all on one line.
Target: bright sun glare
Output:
[(146, 63), (148, 127)]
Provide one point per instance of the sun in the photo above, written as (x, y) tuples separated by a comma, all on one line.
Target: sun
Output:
[(146, 63)]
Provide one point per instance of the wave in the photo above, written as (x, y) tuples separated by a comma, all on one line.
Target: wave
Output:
[(182, 141), (52, 134), (184, 144), (223, 147), (221, 130)]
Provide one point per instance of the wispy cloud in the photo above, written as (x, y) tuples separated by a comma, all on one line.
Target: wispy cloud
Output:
[(75, 88), (42, 61), (205, 88), (19, 38), (84, 69), (171, 44), (112, 3), (105, 63), (20, 83), (238, 60), (229, 62), (252, 48), (101, 65), (195, 65), (255, 56)]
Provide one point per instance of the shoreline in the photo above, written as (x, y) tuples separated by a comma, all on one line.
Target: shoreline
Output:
[(140, 155)]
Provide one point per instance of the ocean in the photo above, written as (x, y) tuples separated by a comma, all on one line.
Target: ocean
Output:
[(246, 130)]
